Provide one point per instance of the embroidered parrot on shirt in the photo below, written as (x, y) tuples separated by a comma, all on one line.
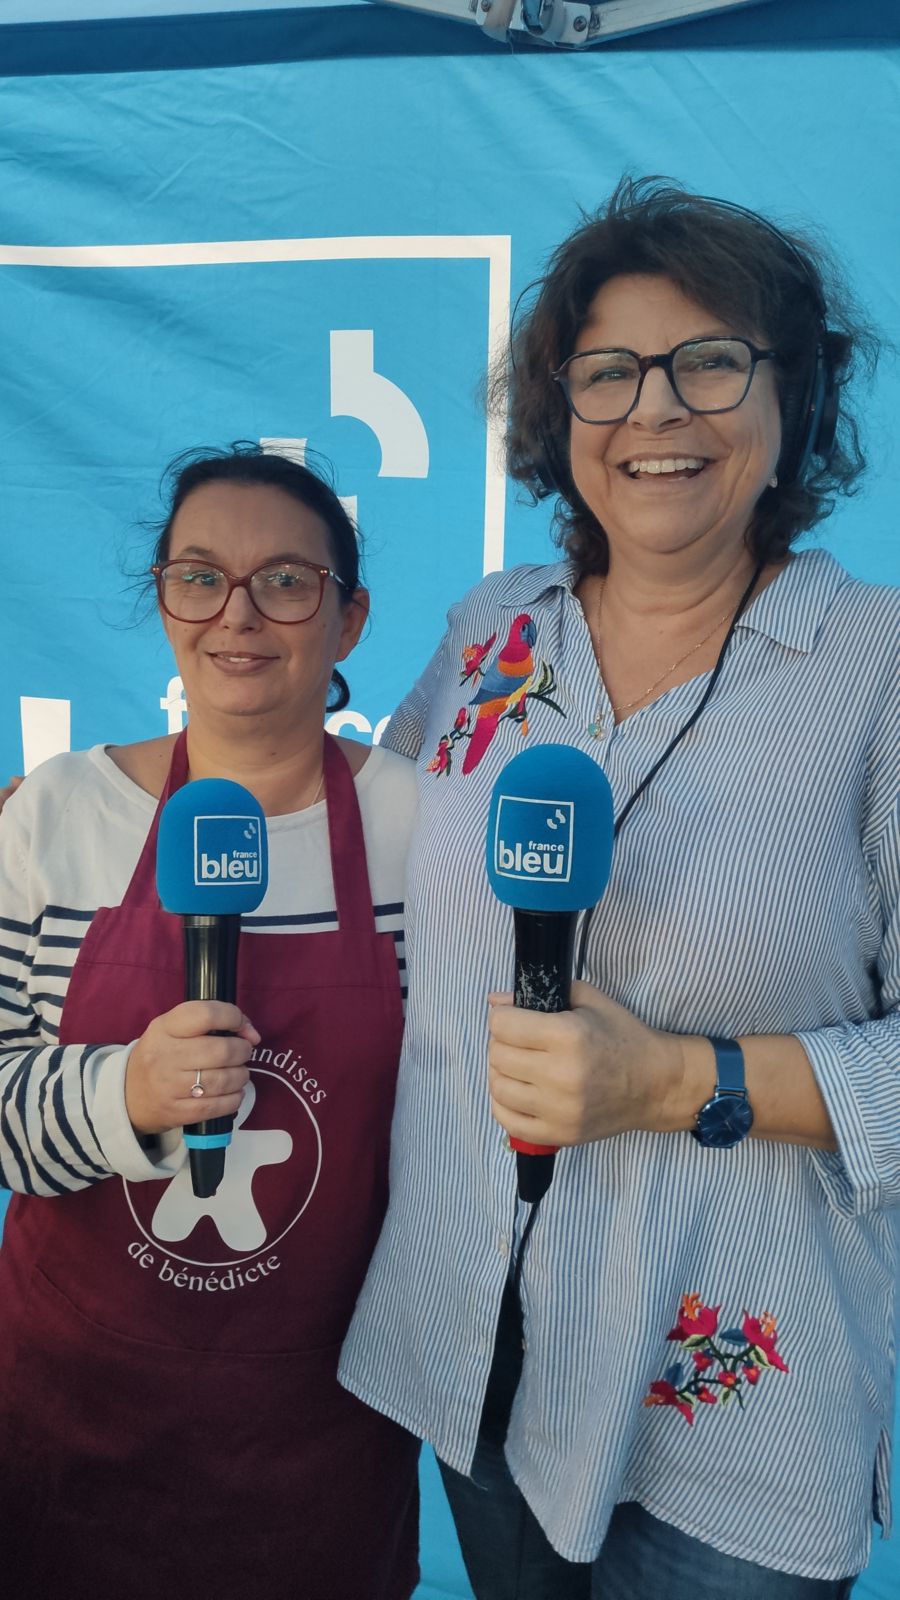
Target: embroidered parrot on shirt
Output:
[(503, 689), (504, 685)]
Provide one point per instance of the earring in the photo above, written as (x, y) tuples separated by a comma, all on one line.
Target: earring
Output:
[(773, 481)]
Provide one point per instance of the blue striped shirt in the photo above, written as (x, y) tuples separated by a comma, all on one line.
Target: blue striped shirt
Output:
[(754, 890)]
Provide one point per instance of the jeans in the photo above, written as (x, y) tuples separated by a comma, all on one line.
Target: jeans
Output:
[(508, 1556)]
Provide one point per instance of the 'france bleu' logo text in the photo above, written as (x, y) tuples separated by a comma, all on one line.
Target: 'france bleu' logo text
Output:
[(533, 839), (227, 850)]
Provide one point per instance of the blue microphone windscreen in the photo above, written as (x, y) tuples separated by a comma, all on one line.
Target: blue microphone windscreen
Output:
[(211, 855), (550, 830)]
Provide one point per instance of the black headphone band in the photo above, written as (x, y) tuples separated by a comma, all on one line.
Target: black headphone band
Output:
[(815, 425)]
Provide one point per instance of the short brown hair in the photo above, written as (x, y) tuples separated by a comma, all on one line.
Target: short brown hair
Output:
[(762, 281)]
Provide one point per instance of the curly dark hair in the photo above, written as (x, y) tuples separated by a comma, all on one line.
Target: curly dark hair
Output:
[(744, 271), (247, 462)]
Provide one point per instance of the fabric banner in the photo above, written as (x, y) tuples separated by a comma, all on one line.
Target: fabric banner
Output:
[(327, 252)]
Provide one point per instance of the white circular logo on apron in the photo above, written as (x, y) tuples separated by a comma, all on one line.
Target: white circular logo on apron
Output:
[(273, 1166)]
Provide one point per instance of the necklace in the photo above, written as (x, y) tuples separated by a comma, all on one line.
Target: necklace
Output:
[(597, 728), (317, 793)]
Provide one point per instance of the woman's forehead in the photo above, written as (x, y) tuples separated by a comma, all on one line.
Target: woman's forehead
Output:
[(639, 308), (228, 513)]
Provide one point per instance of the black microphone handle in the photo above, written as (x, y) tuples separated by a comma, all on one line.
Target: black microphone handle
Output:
[(545, 945), (210, 973)]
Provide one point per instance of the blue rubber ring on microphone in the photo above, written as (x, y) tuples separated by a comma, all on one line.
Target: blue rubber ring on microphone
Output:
[(207, 1141)]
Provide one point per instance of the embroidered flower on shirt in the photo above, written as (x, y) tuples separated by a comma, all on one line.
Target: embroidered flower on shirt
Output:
[(665, 1394), (695, 1322), (760, 1336), (502, 691), (472, 657), (721, 1363)]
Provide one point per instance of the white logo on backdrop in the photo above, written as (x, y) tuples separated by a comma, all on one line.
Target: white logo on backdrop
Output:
[(46, 729), (357, 390)]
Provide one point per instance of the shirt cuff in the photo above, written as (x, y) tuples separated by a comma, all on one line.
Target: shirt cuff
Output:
[(121, 1146), (851, 1175)]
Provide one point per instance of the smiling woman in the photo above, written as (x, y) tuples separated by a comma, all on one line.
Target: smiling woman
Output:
[(239, 650), (624, 1385), (150, 1424), (625, 467), (693, 421)]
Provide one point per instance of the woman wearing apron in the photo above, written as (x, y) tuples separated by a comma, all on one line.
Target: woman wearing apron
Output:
[(170, 1419)]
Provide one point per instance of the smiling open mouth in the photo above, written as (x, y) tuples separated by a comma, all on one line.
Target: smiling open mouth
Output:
[(667, 466), (237, 658)]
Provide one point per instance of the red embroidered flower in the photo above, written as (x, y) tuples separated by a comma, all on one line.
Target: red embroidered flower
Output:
[(737, 1356), (440, 762), (472, 657), (761, 1334), (461, 718), (665, 1394), (696, 1322)]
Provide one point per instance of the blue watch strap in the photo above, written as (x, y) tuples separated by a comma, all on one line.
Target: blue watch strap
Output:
[(730, 1074)]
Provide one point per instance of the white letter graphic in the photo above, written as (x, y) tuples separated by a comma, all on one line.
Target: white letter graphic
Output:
[(357, 390), (45, 729)]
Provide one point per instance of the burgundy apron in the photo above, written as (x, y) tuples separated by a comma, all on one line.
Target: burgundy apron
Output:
[(170, 1417)]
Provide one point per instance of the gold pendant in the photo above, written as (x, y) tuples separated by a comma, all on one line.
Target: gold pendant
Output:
[(596, 728)]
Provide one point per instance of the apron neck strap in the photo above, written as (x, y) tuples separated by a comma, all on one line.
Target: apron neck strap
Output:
[(142, 888), (178, 772), (349, 869)]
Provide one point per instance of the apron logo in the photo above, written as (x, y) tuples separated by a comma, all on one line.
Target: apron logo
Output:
[(271, 1174), (231, 1209), (227, 850), (533, 839)]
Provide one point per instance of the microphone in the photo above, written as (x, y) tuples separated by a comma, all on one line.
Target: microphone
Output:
[(549, 853), (211, 864)]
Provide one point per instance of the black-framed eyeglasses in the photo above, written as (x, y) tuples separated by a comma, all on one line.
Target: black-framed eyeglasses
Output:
[(281, 591), (706, 375)]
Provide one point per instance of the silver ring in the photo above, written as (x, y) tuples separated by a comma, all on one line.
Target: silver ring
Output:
[(197, 1089)]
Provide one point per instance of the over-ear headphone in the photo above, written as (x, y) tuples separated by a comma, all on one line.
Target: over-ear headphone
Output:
[(810, 425), (809, 421)]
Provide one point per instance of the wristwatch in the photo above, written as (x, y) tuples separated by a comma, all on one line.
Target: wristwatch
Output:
[(727, 1118)]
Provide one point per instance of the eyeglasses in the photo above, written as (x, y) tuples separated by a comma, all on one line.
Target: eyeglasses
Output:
[(281, 591), (706, 375)]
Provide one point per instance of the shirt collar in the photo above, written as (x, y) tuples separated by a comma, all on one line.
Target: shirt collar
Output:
[(526, 586), (794, 605), (790, 610)]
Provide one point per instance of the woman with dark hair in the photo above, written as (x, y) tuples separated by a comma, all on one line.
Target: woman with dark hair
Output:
[(674, 1375), (171, 1418)]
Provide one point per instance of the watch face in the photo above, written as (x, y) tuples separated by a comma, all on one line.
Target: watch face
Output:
[(724, 1121)]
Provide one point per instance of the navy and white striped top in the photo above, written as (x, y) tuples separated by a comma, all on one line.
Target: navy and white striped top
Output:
[(70, 839), (755, 889)]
